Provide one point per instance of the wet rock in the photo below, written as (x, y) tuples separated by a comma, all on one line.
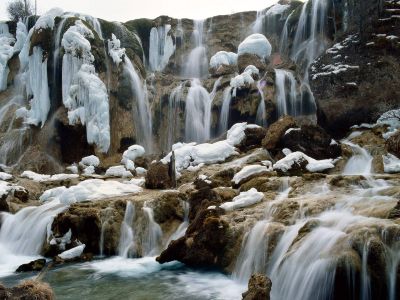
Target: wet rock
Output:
[(395, 212), (276, 131), (4, 204), (204, 244), (158, 177), (21, 194), (222, 70), (393, 144), (259, 288), (247, 59), (225, 193), (223, 178), (253, 138), (36, 265), (169, 207), (261, 184), (28, 290), (313, 141), (201, 199)]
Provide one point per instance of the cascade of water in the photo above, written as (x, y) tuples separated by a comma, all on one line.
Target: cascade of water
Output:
[(196, 65), (175, 105), (286, 94), (268, 21), (181, 230), (142, 113), (127, 247), (360, 163), (17, 230), (151, 243), (310, 37), (161, 47), (261, 116), (365, 279), (56, 53), (284, 41), (197, 113), (224, 115)]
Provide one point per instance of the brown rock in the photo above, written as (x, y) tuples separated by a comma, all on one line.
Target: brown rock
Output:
[(36, 265), (393, 144), (247, 59), (158, 177), (276, 131), (311, 140), (204, 244), (253, 138), (21, 194), (259, 288)]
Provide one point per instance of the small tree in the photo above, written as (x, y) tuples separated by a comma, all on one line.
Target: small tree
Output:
[(19, 9)]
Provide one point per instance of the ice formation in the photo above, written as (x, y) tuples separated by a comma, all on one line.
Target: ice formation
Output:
[(115, 51), (248, 171), (297, 158), (256, 44), (223, 58), (84, 94), (161, 47)]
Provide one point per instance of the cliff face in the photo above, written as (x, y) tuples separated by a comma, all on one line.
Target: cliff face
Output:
[(149, 104)]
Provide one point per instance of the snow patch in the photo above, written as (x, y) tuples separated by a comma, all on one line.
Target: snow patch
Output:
[(256, 44), (313, 165), (248, 171), (244, 199), (72, 253)]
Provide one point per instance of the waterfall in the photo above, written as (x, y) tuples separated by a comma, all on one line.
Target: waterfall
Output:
[(175, 105), (268, 22), (286, 94), (181, 230), (142, 113), (225, 108), (56, 53), (151, 243), (360, 163), (127, 247), (161, 47), (23, 234), (197, 113), (196, 65), (261, 117), (310, 40)]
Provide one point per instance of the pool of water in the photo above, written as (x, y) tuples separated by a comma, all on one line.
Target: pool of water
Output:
[(143, 278)]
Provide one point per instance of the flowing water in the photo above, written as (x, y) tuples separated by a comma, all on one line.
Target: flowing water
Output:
[(261, 116), (286, 93), (142, 112), (225, 109)]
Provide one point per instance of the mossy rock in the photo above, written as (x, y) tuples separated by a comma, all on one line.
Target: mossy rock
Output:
[(142, 27), (42, 38)]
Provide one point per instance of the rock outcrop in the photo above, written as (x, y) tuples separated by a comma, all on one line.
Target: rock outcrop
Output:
[(259, 288)]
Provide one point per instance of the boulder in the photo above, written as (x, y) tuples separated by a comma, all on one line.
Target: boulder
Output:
[(248, 59), (28, 290), (158, 177), (393, 144), (311, 140), (253, 138), (259, 288), (276, 131), (21, 194), (4, 204), (36, 265), (204, 243)]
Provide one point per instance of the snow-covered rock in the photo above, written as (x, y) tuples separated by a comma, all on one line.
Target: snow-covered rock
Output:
[(118, 171), (5, 176), (391, 164), (90, 160), (132, 153), (90, 190), (244, 79), (72, 253), (223, 58), (299, 159), (256, 44), (244, 199), (248, 171), (44, 177)]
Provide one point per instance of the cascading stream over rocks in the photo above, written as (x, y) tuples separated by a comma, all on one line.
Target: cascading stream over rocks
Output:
[(245, 156)]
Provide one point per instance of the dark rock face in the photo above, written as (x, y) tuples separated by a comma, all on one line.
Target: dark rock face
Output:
[(313, 141), (36, 265), (253, 138), (276, 131), (367, 85), (84, 223), (204, 244), (259, 288), (4, 204), (393, 144), (158, 177), (28, 290)]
